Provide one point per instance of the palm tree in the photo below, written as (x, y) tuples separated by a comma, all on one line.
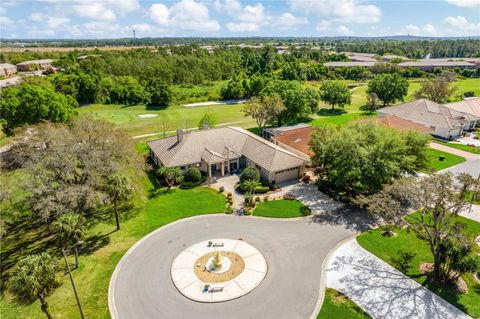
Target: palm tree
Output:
[(69, 229), (170, 175), (118, 189), (249, 186), (35, 276)]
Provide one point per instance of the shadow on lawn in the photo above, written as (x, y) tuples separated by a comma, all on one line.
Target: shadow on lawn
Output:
[(330, 112)]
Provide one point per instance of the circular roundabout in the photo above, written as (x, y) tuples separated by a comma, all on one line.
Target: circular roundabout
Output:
[(218, 270)]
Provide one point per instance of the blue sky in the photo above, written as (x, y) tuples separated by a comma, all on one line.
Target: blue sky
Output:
[(220, 18)]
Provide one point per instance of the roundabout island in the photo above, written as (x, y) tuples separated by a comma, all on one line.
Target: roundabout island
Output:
[(218, 270)]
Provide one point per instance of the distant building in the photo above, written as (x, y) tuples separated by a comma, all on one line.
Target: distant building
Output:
[(33, 65), (388, 58), (360, 57), (432, 64), (7, 69), (349, 64)]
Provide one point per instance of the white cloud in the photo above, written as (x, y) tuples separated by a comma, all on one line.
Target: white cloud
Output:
[(94, 11), (348, 11), (465, 3), (242, 27), (55, 22), (323, 25), (37, 17), (246, 18), (461, 23), (159, 13), (427, 30), (5, 21), (343, 30), (186, 14), (288, 20)]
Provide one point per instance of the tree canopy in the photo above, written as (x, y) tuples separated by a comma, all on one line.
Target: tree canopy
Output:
[(30, 104), (388, 87), (438, 89), (360, 158), (335, 93)]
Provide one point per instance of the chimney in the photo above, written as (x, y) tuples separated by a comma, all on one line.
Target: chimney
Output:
[(179, 135)]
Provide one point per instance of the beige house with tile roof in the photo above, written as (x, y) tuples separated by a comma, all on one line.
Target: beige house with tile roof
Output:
[(469, 105), (445, 122), (223, 150)]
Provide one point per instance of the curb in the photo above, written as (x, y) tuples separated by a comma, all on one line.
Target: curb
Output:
[(321, 294)]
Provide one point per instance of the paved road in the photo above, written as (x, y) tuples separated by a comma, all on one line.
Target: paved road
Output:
[(294, 249), (381, 290), (471, 167)]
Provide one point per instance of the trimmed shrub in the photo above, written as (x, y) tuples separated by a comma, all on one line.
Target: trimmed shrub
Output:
[(248, 174), (221, 189), (261, 189), (193, 174), (305, 210)]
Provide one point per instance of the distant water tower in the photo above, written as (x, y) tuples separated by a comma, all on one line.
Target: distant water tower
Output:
[(134, 37)]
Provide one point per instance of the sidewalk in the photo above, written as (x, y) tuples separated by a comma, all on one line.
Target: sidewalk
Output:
[(468, 156), (381, 290)]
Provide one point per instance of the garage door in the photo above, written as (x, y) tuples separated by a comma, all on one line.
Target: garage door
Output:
[(286, 175)]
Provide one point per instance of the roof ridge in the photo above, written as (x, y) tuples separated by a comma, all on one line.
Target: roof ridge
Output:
[(264, 141)]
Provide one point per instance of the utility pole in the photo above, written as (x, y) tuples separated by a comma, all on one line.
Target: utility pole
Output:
[(64, 252)]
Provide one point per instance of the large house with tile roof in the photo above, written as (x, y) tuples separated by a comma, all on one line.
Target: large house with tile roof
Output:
[(224, 150), (444, 121)]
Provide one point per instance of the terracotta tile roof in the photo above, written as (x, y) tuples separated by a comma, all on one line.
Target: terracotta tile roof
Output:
[(297, 139), (398, 123)]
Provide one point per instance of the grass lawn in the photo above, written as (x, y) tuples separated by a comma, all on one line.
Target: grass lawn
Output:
[(126, 117), (189, 93), (337, 306), (281, 208), (93, 276), (387, 247), (434, 164), (340, 119), (466, 148)]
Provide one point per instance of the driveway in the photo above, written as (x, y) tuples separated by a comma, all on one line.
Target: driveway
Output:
[(295, 250), (381, 290), (471, 166)]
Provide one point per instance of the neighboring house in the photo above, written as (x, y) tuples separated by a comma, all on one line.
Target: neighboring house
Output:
[(7, 69), (432, 64), (361, 57), (350, 64), (224, 150), (444, 122), (395, 122), (294, 138), (35, 65), (388, 58), (470, 106)]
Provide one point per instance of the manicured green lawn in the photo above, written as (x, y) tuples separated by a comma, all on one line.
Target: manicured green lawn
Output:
[(434, 164), (337, 306), (340, 119), (466, 148), (175, 116), (387, 247), (93, 276), (279, 209)]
